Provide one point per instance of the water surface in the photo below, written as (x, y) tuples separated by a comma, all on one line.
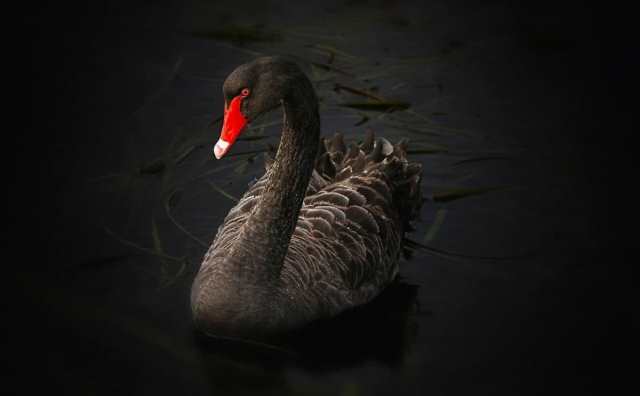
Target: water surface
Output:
[(490, 99)]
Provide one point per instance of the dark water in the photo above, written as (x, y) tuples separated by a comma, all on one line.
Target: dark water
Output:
[(129, 196)]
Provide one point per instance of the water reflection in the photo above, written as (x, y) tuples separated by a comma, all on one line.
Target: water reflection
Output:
[(382, 331)]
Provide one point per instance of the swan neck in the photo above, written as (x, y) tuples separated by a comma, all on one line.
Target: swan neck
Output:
[(267, 231)]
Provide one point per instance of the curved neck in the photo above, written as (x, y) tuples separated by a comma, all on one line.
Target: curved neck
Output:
[(264, 239)]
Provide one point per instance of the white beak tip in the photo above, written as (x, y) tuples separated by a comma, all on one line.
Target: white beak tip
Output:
[(221, 148)]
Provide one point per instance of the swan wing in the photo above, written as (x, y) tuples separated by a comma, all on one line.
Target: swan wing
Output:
[(347, 243)]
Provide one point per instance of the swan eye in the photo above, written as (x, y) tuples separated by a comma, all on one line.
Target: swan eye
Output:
[(245, 92)]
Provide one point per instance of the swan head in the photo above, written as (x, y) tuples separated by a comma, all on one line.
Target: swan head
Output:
[(251, 90)]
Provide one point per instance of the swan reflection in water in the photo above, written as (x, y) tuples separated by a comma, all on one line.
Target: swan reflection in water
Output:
[(382, 331)]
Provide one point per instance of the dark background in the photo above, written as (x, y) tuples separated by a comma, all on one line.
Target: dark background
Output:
[(555, 78)]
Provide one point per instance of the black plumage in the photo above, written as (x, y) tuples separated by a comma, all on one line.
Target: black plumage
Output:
[(320, 232)]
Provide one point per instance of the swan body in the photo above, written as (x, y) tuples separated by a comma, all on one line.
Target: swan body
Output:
[(320, 232)]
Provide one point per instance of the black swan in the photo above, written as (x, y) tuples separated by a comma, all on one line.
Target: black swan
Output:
[(320, 232)]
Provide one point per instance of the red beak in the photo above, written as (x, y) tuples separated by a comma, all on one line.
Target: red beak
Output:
[(234, 123)]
